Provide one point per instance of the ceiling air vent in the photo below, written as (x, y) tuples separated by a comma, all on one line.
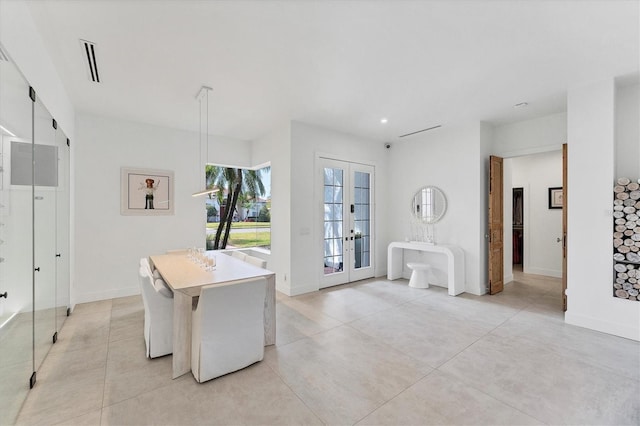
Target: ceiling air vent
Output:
[(420, 131), (3, 56), (89, 52)]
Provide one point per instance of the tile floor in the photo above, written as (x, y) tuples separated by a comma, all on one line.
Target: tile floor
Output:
[(371, 353)]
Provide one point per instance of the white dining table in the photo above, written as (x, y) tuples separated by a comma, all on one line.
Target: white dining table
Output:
[(185, 277)]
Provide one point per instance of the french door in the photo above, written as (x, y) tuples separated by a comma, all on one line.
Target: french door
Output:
[(347, 222)]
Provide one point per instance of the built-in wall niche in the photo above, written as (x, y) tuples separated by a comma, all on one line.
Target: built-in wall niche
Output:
[(626, 239), (518, 225)]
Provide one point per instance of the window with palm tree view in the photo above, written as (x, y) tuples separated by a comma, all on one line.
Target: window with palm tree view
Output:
[(239, 213)]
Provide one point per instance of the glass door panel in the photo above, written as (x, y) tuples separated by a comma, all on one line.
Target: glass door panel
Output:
[(361, 220), (16, 322), (333, 220), (44, 260), (62, 207), (362, 217)]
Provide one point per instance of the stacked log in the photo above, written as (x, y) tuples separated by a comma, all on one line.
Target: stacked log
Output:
[(626, 239)]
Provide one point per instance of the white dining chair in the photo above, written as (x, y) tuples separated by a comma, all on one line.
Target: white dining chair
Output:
[(256, 261), (158, 317), (144, 262), (228, 328)]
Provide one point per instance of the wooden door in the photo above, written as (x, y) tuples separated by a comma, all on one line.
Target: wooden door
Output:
[(496, 249), (564, 226)]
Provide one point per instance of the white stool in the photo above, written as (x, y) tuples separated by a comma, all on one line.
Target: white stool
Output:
[(419, 275)]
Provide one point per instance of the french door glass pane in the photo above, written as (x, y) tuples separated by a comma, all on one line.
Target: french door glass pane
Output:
[(333, 223), (361, 219)]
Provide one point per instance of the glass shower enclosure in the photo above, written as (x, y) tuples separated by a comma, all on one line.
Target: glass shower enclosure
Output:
[(34, 235)]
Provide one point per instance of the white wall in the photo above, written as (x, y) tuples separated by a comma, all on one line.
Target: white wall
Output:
[(542, 226), (451, 159), (276, 149), (23, 43), (590, 298), (109, 245), (541, 134), (306, 223), (627, 127)]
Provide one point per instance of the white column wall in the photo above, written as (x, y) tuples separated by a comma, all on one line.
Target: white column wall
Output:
[(109, 245), (451, 159), (276, 149), (590, 298), (306, 237)]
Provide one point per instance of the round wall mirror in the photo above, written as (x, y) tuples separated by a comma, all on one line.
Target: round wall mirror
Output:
[(429, 204)]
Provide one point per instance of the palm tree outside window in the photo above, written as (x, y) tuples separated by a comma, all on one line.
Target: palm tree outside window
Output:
[(239, 215)]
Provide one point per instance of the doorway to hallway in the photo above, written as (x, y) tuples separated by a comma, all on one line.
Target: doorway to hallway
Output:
[(524, 213), (535, 225)]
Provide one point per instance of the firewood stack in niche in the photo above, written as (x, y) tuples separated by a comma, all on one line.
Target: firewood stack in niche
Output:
[(626, 239)]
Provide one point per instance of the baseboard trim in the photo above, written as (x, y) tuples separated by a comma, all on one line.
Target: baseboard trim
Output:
[(105, 295), (608, 327), (297, 290), (544, 272)]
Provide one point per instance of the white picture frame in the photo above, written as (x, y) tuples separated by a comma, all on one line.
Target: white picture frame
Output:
[(146, 192)]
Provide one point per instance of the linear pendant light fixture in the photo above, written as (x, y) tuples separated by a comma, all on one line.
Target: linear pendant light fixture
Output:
[(7, 131), (203, 96)]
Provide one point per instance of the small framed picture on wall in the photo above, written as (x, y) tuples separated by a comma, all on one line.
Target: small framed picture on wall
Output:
[(556, 197), (146, 192)]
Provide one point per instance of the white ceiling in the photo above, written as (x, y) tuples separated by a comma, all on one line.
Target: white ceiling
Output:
[(337, 64)]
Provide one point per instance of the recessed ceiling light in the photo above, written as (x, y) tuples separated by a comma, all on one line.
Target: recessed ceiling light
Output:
[(521, 105), (383, 120)]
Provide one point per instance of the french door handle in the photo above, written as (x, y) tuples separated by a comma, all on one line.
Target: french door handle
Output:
[(37, 269)]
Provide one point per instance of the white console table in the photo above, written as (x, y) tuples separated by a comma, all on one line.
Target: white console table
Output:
[(455, 262)]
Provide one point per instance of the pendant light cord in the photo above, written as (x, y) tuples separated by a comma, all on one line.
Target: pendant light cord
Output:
[(207, 139), (199, 96), (200, 142)]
